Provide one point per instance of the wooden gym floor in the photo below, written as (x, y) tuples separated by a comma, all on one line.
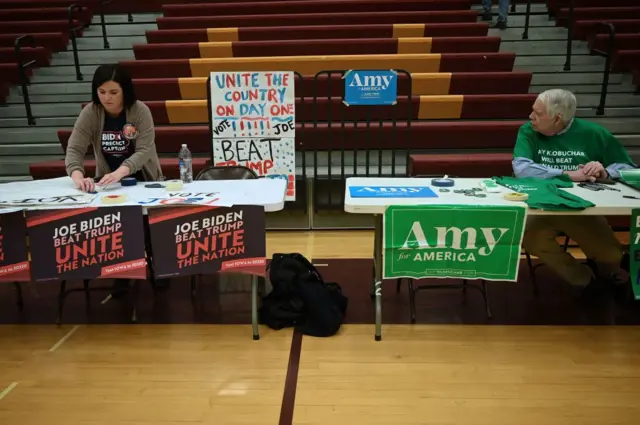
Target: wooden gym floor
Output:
[(540, 360)]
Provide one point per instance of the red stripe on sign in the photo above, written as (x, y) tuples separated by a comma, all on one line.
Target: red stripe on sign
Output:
[(164, 214), (15, 272), (42, 217), (136, 269), (244, 263)]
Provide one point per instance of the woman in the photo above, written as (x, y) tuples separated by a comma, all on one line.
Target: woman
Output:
[(119, 128)]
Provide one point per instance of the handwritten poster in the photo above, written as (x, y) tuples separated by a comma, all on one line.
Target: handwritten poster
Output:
[(14, 259), (269, 156), (253, 123), (186, 198), (202, 240), (42, 198), (87, 243), (245, 104)]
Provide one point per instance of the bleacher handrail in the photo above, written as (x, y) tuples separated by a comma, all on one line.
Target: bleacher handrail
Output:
[(525, 33), (23, 76), (567, 63), (607, 65), (72, 35)]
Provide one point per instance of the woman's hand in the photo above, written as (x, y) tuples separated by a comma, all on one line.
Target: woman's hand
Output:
[(85, 184), (115, 177)]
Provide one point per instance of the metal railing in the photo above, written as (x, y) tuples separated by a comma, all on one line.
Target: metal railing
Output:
[(525, 34), (567, 63), (72, 35), (105, 40), (23, 76), (607, 65), (357, 117)]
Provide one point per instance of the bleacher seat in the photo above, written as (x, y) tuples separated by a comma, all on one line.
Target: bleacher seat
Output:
[(310, 65), (461, 164), (28, 27), (439, 83), (310, 6), (304, 32), (625, 60), (363, 46), (582, 30), (53, 169), (41, 55), (599, 43), (45, 14), (599, 13), (317, 19), (54, 41), (421, 107)]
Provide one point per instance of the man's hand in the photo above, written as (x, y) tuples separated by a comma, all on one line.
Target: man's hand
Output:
[(85, 184), (579, 176), (114, 177), (594, 169)]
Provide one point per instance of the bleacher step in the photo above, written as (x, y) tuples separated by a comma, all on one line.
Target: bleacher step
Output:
[(53, 149), (60, 122), (92, 57), (115, 42)]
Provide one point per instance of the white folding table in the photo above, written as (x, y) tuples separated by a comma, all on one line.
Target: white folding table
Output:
[(607, 202)]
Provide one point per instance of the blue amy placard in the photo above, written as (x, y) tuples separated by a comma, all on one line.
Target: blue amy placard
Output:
[(391, 192), (365, 87)]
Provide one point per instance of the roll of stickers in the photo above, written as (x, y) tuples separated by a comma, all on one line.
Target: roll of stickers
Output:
[(443, 182), (113, 199), (516, 196), (173, 185), (129, 181)]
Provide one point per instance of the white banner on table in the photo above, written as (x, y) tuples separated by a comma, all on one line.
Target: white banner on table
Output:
[(187, 198), (45, 198), (247, 104), (272, 157)]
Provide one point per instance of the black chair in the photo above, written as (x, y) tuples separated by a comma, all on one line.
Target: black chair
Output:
[(482, 288), (234, 172)]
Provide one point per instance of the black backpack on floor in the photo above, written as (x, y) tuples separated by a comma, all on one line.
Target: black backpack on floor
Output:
[(301, 298)]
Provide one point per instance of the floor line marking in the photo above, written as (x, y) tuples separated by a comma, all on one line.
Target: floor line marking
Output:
[(291, 381), (8, 390), (321, 265), (63, 339)]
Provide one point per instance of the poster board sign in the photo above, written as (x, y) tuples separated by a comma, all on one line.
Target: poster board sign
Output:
[(252, 104), (204, 240), (186, 198), (453, 241), (271, 157), (253, 123), (45, 198), (87, 243), (14, 257), (370, 87)]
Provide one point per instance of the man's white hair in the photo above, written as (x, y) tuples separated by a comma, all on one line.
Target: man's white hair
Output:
[(559, 102)]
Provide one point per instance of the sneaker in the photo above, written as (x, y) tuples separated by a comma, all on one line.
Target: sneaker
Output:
[(502, 25)]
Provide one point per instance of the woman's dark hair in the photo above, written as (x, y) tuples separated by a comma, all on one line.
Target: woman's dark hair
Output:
[(115, 73)]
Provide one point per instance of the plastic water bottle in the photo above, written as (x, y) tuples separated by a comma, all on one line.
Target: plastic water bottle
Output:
[(186, 166)]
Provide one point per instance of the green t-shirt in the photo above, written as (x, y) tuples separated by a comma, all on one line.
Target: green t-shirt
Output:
[(583, 142), (545, 194)]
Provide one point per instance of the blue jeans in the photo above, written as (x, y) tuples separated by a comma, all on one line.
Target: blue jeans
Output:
[(503, 9)]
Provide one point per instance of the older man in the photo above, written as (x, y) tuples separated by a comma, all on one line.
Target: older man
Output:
[(556, 143)]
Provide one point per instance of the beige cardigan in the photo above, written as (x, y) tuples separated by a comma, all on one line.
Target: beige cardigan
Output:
[(88, 131)]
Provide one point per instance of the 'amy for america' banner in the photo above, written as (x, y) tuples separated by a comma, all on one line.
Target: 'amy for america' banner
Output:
[(203, 240), (87, 243), (14, 260)]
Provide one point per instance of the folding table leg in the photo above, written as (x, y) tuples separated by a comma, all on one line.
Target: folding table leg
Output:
[(19, 298), (254, 307)]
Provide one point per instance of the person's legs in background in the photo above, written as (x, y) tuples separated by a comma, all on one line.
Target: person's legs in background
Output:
[(503, 12), (486, 5), (595, 238)]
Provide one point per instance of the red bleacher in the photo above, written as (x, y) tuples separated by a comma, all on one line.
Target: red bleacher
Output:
[(47, 22)]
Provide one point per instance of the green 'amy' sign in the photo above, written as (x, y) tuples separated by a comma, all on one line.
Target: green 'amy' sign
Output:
[(472, 242), (634, 253)]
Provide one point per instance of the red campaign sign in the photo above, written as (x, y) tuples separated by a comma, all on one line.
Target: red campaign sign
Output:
[(14, 257), (87, 243), (205, 240)]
